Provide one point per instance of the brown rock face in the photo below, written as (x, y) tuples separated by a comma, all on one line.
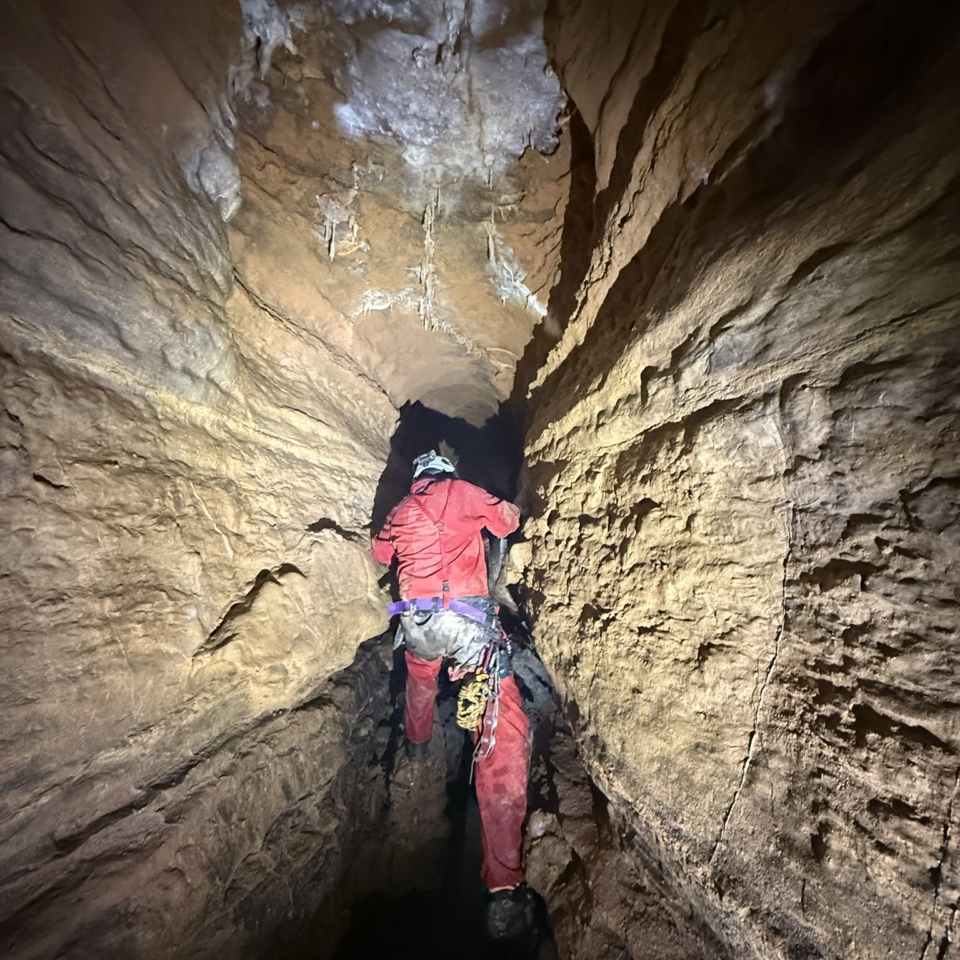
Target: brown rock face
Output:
[(184, 556), (237, 239), (743, 465), (198, 399)]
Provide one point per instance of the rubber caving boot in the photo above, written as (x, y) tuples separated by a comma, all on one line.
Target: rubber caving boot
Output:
[(510, 913)]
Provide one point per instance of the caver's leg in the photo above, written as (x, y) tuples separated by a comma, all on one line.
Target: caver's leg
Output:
[(421, 697), (502, 792)]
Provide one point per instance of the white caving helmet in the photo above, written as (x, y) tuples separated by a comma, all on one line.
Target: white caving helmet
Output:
[(432, 463)]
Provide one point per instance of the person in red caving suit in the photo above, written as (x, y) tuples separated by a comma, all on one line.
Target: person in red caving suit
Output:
[(435, 534)]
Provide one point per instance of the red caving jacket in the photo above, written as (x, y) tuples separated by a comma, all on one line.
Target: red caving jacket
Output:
[(435, 532)]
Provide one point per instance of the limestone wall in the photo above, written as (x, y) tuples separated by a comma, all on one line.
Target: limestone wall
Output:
[(184, 557), (743, 463)]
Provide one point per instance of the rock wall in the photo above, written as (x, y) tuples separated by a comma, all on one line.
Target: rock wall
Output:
[(232, 250), (185, 559), (606, 897), (743, 463)]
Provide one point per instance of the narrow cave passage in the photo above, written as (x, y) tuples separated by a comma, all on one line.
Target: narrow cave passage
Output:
[(490, 455), (414, 888), (678, 277), (427, 900)]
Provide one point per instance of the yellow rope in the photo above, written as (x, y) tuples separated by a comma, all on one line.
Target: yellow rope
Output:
[(473, 701)]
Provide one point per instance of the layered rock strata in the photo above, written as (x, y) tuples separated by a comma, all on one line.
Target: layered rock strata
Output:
[(743, 463), (209, 323), (605, 891)]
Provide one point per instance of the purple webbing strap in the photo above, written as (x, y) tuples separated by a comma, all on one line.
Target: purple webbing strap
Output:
[(464, 609), (436, 603), (418, 603)]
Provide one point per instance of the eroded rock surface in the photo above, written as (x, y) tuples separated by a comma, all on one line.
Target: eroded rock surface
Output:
[(743, 465), (232, 250), (394, 204), (185, 557), (213, 309), (605, 892)]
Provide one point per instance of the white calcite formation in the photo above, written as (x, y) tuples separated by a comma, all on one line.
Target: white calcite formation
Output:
[(461, 89)]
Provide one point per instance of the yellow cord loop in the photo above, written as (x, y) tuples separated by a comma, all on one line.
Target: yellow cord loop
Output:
[(473, 701)]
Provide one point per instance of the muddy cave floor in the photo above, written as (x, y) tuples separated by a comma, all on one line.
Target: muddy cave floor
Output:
[(429, 903)]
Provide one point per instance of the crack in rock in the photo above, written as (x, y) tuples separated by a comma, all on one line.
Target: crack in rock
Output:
[(223, 632), (752, 739), (326, 523)]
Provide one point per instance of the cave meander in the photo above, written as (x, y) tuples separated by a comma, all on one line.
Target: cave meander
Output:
[(679, 277)]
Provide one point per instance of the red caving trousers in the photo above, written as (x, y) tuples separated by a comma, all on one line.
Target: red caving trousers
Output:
[(501, 778)]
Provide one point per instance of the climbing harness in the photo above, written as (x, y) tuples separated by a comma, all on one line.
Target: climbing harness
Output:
[(478, 704), (433, 604)]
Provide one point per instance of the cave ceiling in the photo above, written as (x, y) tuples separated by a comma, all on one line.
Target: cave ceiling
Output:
[(401, 185)]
